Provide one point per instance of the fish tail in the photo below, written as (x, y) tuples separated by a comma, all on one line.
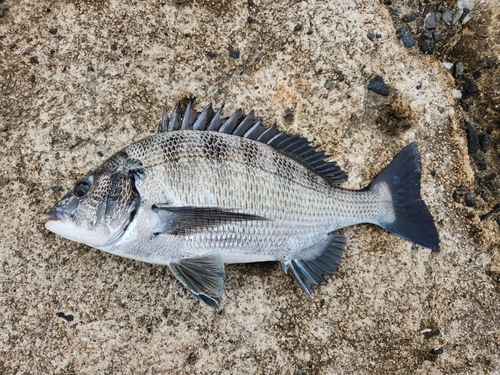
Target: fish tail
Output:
[(409, 217)]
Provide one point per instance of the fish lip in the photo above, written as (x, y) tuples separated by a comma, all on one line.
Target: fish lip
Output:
[(56, 215)]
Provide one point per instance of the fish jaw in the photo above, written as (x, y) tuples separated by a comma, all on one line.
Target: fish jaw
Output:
[(68, 229)]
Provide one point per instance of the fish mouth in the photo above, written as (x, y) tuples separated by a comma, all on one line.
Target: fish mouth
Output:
[(56, 215)]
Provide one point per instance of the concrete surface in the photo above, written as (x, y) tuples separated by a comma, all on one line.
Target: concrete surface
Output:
[(101, 81)]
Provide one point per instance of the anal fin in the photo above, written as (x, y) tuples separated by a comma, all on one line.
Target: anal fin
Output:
[(203, 276), (310, 272)]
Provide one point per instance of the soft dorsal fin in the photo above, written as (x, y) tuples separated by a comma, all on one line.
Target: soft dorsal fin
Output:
[(250, 127)]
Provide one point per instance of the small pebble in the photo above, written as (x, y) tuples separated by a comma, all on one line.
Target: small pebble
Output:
[(34, 60), (431, 21), (53, 31), (309, 32), (448, 65), (409, 17), (447, 17), (378, 36), (476, 74), (32, 78), (250, 2), (426, 46), (419, 86), (456, 16), (3, 10), (459, 69), (234, 54), (470, 87), (100, 154), (114, 47), (469, 200), (466, 11), (297, 27), (249, 19), (210, 54), (427, 34), (17, 113), (457, 94), (328, 85), (437, 35), (404, 34), (437, 351), (378, 86), (371, 36)]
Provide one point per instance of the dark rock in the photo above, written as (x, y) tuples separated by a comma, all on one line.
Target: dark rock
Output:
[(297, 27), (90, 68), (210, 54), (404, 34), (490, 176), (17, 113), (427, 34), (419, 86), (490, 129), (472, 139), (32, 78), (448, 17), (459, 69), (426, 46), (484, 141), (378, 86), (431, 21), (68, 318), (249, 19), (53, 31), (250, 2), (437, 35), (328, 85), (469, 200), (480, 161), (100, 154), (409, 17), (309, 32), (234, 54), (378, 36), (476, 74), (437, 351), (3, 10), (370, 36), (466, 11), (34, 60), (114, 47), (470, 87)]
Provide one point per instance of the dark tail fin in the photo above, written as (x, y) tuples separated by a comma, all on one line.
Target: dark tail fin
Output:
[(411, 219)]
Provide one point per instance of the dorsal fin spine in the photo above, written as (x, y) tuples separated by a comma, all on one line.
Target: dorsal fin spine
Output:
[(248, 127)]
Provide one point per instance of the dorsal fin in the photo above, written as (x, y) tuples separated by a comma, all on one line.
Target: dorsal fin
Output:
[(249, 127)]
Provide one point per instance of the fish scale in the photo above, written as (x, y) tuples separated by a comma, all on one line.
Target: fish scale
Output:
[(210, 190)]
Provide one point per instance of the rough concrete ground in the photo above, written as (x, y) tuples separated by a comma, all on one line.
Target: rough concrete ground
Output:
[(71, 97)]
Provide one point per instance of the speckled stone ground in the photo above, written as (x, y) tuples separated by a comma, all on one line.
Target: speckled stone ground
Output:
[(79, 80)]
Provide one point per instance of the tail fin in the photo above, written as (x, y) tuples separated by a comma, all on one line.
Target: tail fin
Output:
[(411, 218)]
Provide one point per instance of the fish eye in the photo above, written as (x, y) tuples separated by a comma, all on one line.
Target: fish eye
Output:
[(81, 188)]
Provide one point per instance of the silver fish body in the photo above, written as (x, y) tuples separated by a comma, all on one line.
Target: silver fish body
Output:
[(196, 198)]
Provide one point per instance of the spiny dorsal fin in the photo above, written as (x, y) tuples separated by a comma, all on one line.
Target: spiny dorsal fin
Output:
[(249, 127)]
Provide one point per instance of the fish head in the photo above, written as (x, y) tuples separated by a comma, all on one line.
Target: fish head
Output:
[(97, 209)]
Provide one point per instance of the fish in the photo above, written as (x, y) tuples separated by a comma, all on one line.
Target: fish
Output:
[(209, 190)]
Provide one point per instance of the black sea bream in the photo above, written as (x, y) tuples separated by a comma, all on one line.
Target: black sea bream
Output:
[(209, 190)]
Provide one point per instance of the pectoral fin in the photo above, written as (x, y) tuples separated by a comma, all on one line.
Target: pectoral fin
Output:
[(189, 219), (203, 276)]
